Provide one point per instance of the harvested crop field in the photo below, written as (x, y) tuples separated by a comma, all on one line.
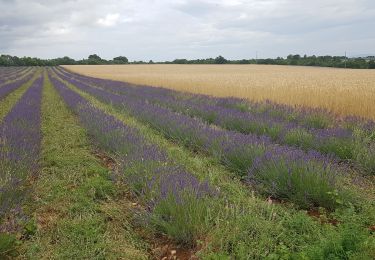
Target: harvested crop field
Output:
[(342, 91)]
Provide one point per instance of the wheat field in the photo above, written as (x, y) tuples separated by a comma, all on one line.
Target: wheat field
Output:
[(343, 91)]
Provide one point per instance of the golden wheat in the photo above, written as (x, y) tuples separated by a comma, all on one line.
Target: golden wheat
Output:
[(343, 91)]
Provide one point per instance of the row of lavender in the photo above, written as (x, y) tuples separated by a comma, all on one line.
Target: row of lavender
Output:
[(20, 139), (166, 188), (9, 71), (5, 72), (8, 88), (340, 141), (306, 178), (13, 75)]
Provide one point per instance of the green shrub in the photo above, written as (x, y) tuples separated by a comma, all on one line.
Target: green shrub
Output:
[(364, 151), (317, 120), (184, 220), (299, 137), (239, 159), (343, 148), (305, 183)]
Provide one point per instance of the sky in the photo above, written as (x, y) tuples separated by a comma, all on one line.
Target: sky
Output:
[(167, 29)]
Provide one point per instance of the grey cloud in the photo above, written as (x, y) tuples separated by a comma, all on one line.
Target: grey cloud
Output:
[(168, 29), (196, 8)]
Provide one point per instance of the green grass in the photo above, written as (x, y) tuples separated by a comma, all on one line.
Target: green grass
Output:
[(248, 227), (76, 207)]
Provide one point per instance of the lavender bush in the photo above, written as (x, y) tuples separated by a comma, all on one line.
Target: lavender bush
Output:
[(304, 180)]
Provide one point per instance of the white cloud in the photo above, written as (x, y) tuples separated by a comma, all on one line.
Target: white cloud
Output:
[(109, 20)]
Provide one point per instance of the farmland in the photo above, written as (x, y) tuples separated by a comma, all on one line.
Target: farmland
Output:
[(94, 168), (345, 92)]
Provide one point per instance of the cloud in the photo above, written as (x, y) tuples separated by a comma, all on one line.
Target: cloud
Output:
[(109, 20), (168, 29)]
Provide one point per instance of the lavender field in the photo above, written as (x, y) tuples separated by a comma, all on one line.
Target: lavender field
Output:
[(100, 169)]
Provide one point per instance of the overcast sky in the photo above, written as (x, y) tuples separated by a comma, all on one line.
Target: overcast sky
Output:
[(169, 29)]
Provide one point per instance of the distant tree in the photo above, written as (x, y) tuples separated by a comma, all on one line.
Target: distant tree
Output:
[(296, 57), (371, 64), (243, 61), (5, 60), (64, 61), (120, 60), (94, 59), (180, 61), (220, 60), (138, 62)]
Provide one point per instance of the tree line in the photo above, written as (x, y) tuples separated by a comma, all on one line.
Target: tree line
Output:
[(94, 59), (296, 60)]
